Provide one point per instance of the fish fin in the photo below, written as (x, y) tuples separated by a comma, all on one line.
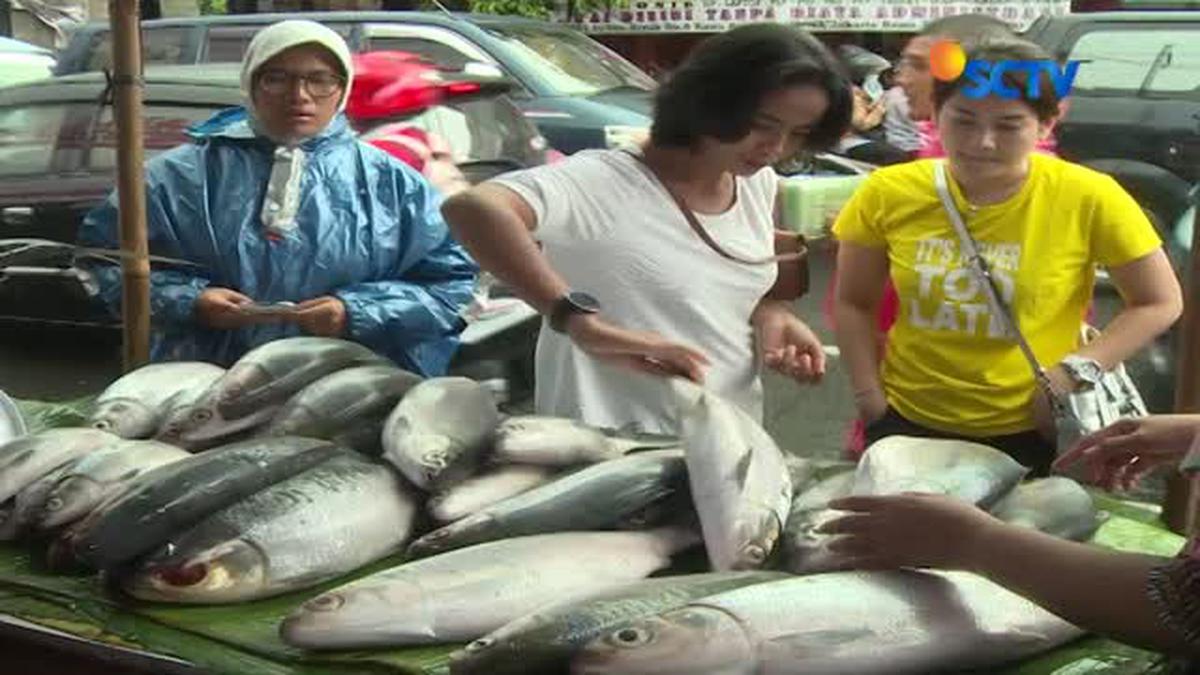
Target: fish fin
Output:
[(823, 641)]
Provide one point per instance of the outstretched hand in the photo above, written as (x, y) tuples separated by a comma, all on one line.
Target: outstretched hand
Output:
[(908, 530), (1119, 455)]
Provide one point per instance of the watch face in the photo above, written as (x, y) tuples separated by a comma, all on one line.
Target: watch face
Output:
[(583, 301)]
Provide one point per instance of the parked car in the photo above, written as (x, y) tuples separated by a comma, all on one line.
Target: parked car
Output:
[(21, 62), (1134, 109), (579, 93)]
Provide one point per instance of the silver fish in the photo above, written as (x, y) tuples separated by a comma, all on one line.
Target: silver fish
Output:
[(972, 472), (563, 442), (545, 641), (250, 393), (340, 515), (467, 593), (739, 479), (866, 623), (347, 404), (439, 430), (18, 519), (802, 546), (594, 498), (30, 457), (134, 406), (1056, 505), (101, 475), (479, 492)]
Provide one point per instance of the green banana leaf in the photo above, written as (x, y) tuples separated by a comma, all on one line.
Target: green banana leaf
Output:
[(238, 639)]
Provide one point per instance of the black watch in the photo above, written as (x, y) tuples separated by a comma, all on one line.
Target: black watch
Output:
[(574, 302)]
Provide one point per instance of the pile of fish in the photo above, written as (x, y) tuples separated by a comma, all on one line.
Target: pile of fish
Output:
[(543, 543)]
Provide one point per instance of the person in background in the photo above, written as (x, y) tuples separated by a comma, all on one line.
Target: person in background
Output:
[(950, 369), (866, 140), (277, 201), (898, 126), (1144, 600), (645, 260)]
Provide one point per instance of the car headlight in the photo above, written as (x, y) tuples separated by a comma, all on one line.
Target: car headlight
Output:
[(616, 136)]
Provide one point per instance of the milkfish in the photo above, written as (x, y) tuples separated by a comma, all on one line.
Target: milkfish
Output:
[(1056, 505), (168, 498), (594, 498), (464, 594), (347, 407), (135, 405), (439, 431), (739, 480), (866, 623), (480, 492), (28, 458), (563, 442), (100, 475), (545, 641), (23, 510), (335, 517)]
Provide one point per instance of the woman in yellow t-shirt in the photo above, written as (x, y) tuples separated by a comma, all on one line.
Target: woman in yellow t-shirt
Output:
[(1043, 224)]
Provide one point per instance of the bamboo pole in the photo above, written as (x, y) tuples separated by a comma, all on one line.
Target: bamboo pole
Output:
[(1181, 504), (131, 194)]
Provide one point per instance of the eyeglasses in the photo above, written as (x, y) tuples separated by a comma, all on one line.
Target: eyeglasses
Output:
[(319, 84)]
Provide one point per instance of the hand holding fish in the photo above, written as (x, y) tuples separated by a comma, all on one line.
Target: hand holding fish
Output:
[(1119, 455), (323, 317), (787, 344), (641, 350), (909, 530)]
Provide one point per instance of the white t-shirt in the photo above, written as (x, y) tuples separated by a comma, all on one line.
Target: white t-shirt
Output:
[(611, 230)]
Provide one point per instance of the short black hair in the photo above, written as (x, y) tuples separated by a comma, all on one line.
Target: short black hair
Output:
[(1045, 105), (718, 89), (968, 29)]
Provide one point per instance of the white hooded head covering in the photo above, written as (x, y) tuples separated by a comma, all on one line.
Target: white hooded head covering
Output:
[(287, 169), (279, 37)]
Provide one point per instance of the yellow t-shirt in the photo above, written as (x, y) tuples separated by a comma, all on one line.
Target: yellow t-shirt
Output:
[(947, 365)]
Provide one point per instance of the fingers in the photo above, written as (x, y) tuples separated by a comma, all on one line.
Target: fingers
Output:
[(859, 504), (850, 524), (1086, 445)]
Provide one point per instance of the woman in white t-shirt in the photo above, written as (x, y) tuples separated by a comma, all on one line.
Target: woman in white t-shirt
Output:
[(629, 285)]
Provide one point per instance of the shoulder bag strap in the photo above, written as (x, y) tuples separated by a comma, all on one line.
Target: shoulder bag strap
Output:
[(694, 222), (976, 263)]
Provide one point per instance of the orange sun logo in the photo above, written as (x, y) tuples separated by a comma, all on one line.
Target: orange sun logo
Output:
[(947, 60)]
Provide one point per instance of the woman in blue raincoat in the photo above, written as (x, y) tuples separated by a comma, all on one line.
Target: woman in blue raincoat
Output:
[(278, 201)]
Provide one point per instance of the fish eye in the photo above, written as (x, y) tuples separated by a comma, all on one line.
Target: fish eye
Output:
[(631, 637), (54, 504), (325, 603), (102, 425), (480, 644), (201, 415)]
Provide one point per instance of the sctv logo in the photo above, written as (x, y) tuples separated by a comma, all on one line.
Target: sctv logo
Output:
[(948, 61)]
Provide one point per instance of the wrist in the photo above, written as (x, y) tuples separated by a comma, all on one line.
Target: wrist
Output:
[(978, 545)]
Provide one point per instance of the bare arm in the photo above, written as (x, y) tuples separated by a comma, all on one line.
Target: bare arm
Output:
[(861, 274), (1153, 301), (1101, 590), (494, 225)]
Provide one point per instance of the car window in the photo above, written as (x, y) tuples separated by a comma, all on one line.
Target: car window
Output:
[(573, 63), (438, 52), (28, 135), (1152, 61), (159, 45), (227, 44)]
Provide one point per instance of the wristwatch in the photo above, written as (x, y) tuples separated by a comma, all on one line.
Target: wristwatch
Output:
[(574, 302), (1083, 370)]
